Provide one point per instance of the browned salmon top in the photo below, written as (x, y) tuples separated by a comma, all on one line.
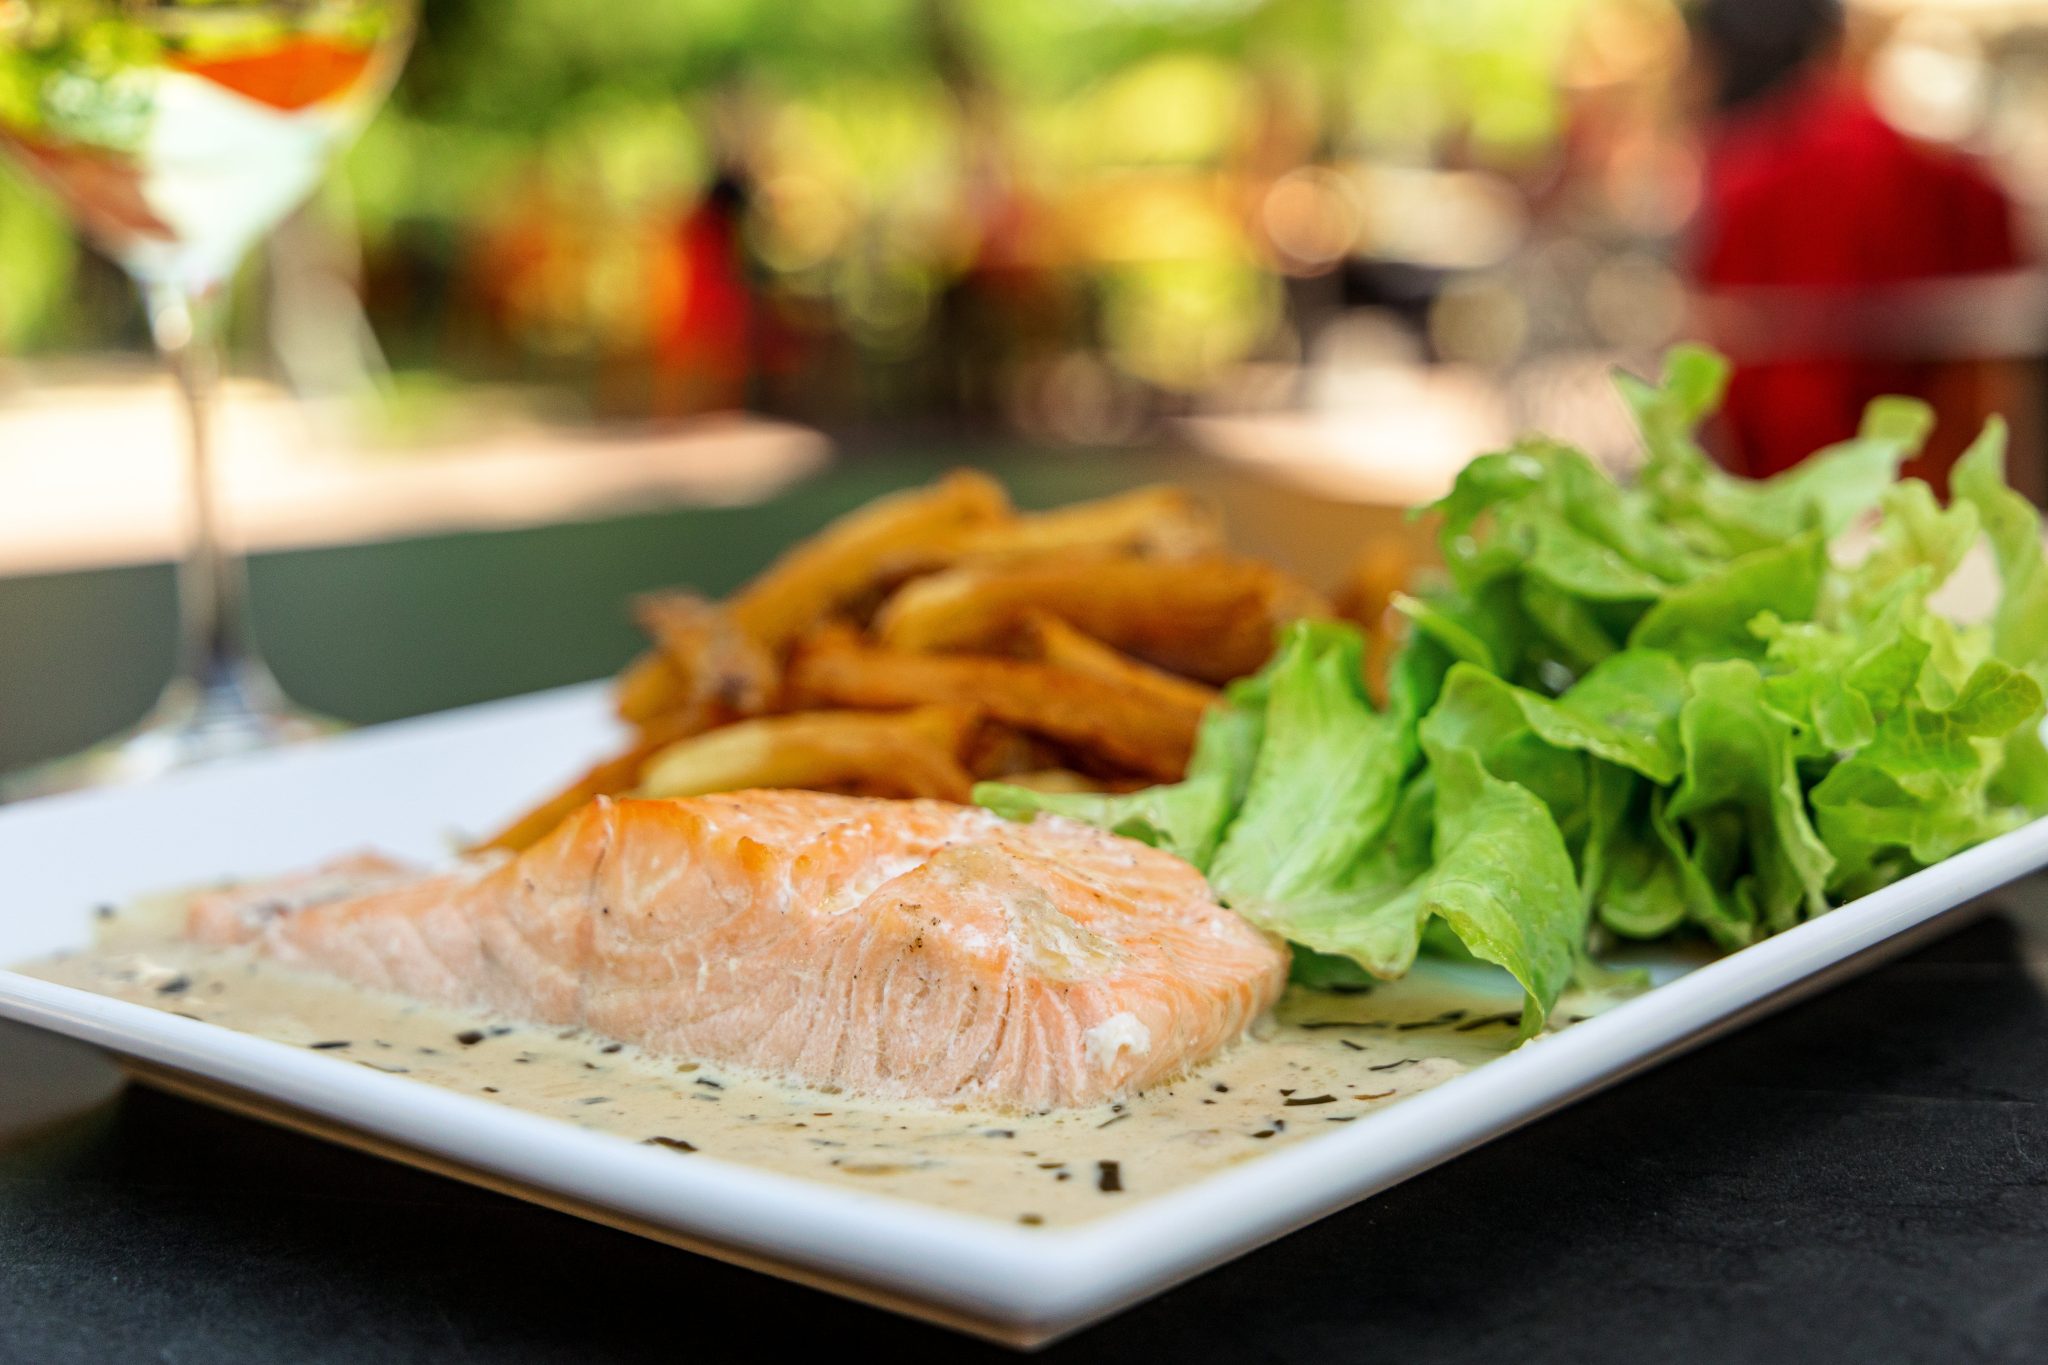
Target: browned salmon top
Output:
[(910, 948)]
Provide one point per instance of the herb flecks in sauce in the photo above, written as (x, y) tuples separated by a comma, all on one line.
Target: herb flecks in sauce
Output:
[(1003, 1165), (673, 1144)]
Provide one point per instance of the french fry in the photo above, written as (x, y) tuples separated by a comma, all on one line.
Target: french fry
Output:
[(996, 750), (1129, 730), (1377, 572), (1055, 642), (723, 664), (850, 557), (1124, 608), (1212, 618), (649, 687), (614, 775), (1382, 569), (860, 550), (700, 655), (835, 566), (897, 753), (1160, 521)]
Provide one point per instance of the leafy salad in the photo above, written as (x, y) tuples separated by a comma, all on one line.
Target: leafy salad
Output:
[(1684, 706)]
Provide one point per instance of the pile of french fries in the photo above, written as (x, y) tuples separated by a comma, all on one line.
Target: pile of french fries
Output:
[(938, 637)]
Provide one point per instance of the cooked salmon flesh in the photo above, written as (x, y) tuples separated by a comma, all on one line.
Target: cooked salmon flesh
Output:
[(897, 948)]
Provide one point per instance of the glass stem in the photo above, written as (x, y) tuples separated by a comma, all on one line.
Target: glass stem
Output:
[(215, 657)]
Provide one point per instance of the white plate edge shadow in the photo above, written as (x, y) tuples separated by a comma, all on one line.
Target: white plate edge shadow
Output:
[(1028, 1284)]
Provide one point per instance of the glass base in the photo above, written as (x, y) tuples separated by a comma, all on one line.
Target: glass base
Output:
[(189, 726)]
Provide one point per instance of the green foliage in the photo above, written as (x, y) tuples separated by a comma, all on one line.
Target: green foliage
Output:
[(37, 261)]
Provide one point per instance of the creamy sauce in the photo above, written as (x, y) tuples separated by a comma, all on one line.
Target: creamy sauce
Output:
[(1322, 1060)]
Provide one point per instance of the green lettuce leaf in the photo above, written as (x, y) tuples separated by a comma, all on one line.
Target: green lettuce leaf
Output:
[(1552, 562), (1837, 684), (1632, 873), (1836, 486), (2013, 526), (1502, 879), (1922, 787), (1666, 708), (1492, 720), (1460, 627), (1186, 818), (1917, 544), (1328, 772), (1709, 618), (1570, 625), (1741, 799), (1724, 516), (1373, 916)]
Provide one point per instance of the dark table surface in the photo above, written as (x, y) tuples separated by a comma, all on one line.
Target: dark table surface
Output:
[(1863, 1178)]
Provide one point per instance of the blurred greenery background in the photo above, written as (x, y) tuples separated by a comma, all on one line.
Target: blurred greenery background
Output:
[(1069, 218), (1066, 218), (936, 229)]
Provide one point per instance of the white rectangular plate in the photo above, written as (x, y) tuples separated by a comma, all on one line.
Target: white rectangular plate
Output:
[(412, 787)]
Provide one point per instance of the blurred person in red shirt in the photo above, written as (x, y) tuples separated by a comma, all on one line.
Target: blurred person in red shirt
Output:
[(706, 341), (1838, 259)]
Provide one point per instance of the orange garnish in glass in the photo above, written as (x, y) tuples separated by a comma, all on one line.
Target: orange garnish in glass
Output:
[(296, 73)]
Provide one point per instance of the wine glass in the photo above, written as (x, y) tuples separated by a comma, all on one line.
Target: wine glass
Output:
[(176, 133)]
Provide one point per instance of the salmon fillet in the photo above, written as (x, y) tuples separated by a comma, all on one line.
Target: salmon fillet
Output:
[(897, 948)]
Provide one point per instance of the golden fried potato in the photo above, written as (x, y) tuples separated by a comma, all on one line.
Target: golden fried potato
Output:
[(723, 663), (862, 549), (700, 655), (609, 778), (649, 687), (996, 750), (849, 558), (895, 753), (1129, 730), (1055, 642), (1123, 609), (1161, 521), (1380, 571), (1212, 618)]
